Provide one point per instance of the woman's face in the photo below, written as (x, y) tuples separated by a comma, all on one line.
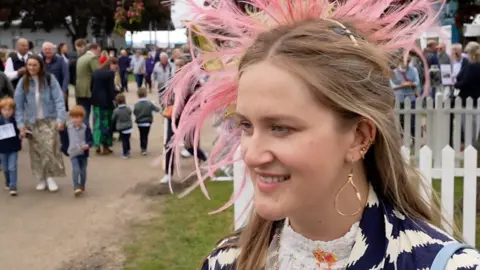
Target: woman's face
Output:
[(294, 148), (33, 66), (65, 49)]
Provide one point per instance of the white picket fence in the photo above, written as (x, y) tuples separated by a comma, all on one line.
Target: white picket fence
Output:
[(446, 174), (432, 125)]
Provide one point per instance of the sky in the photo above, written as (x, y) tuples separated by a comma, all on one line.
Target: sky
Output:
[(180, 11)]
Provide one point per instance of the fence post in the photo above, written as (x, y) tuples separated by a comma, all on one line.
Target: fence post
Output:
[(430, 121), (407, 123), (406, 153), (470, 195), (457, 127), (426, 171), (448, 186), (437, 124), (243, 203), (418, 127)]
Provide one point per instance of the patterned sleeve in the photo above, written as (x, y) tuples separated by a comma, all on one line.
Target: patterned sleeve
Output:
[(224, 256)]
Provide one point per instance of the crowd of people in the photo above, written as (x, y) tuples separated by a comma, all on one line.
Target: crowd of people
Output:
[(409, 78), (34, 94)]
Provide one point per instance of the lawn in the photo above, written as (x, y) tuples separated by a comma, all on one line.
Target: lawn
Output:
[(183, 234), (458, 192)]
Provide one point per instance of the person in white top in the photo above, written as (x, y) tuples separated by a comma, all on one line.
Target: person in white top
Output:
[(138, 66), (40, 113), (162, 72), (15, 66)]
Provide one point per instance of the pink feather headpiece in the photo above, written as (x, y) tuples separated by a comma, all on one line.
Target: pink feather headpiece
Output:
[(391, 27)]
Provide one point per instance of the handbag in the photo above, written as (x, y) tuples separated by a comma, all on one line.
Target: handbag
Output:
[(443, 256), (404, 75), (168, 111)]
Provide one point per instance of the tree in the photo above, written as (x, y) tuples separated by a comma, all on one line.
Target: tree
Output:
[(76, 16)]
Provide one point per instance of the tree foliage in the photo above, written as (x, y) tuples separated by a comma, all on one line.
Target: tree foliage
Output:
[(78, 15)]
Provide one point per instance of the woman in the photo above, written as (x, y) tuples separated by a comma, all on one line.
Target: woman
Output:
[(317, 132), (62, 50), (40, 115), (468, 81), (103, 57), (103, 96)]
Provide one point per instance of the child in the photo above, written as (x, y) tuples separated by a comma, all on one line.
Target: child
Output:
[(78, 144), (122, 119), (143, 112), (10, 144)]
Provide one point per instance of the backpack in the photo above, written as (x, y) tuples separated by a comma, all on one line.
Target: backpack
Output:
[(441, 260)]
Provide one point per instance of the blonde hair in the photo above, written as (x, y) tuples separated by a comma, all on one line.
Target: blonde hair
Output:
[(473, 51), (353, 81), (7, 102)]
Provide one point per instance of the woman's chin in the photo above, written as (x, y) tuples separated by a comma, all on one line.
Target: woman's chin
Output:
[(269, 210)]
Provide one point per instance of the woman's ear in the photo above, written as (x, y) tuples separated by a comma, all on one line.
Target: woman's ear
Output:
[(365, 133)]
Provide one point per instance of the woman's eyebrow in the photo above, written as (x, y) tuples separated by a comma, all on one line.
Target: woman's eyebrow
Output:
[(270, 118)]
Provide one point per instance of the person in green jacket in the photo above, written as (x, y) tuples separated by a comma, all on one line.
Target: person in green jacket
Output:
[(86, 64)]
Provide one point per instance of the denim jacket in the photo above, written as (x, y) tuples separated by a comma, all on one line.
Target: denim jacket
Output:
[(52, 100)]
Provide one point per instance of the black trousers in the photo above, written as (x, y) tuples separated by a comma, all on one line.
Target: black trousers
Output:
[(66, 102), (144, 132), (169, 155), (148, 82), (125, 143), (124, 80)]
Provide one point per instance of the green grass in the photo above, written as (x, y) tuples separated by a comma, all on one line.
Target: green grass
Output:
[(458, 203), (183, 234), (131, 77)]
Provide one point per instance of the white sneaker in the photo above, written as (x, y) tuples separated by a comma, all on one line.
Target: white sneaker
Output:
[(184, 153), (52, 186), (165, 179), (42, 185)]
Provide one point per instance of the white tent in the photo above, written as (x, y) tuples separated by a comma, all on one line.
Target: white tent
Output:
[(164, 38)]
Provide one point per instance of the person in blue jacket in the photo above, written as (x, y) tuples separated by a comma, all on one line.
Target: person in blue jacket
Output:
[(10, 144)]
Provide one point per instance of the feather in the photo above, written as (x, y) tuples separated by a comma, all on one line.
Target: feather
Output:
[(385, 23)]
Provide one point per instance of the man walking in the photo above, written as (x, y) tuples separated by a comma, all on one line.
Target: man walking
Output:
[(80, 47), (6, 88), (15, 67), (124, 66), (57, 66), (86, 64)]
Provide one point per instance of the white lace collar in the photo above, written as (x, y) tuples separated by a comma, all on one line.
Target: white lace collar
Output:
[(297, 252)]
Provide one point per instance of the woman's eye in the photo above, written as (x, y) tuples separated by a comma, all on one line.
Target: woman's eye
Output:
[(281, 129), (245, 126)]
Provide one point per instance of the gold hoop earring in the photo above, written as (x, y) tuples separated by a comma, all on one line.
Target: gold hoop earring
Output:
[(357, 193)]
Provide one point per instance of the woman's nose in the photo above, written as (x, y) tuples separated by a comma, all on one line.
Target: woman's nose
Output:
[(255, 152)]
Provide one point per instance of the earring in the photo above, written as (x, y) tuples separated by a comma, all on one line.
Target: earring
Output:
[(364, 149), (357, 193)]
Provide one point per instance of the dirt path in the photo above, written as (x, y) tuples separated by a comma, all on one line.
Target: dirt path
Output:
[(45, 231)]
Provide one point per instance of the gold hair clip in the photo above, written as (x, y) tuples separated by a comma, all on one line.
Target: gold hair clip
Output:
[(230, 111), (344, 31)]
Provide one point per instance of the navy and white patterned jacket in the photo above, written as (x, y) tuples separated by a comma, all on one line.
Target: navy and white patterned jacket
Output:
[(405, 244)]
